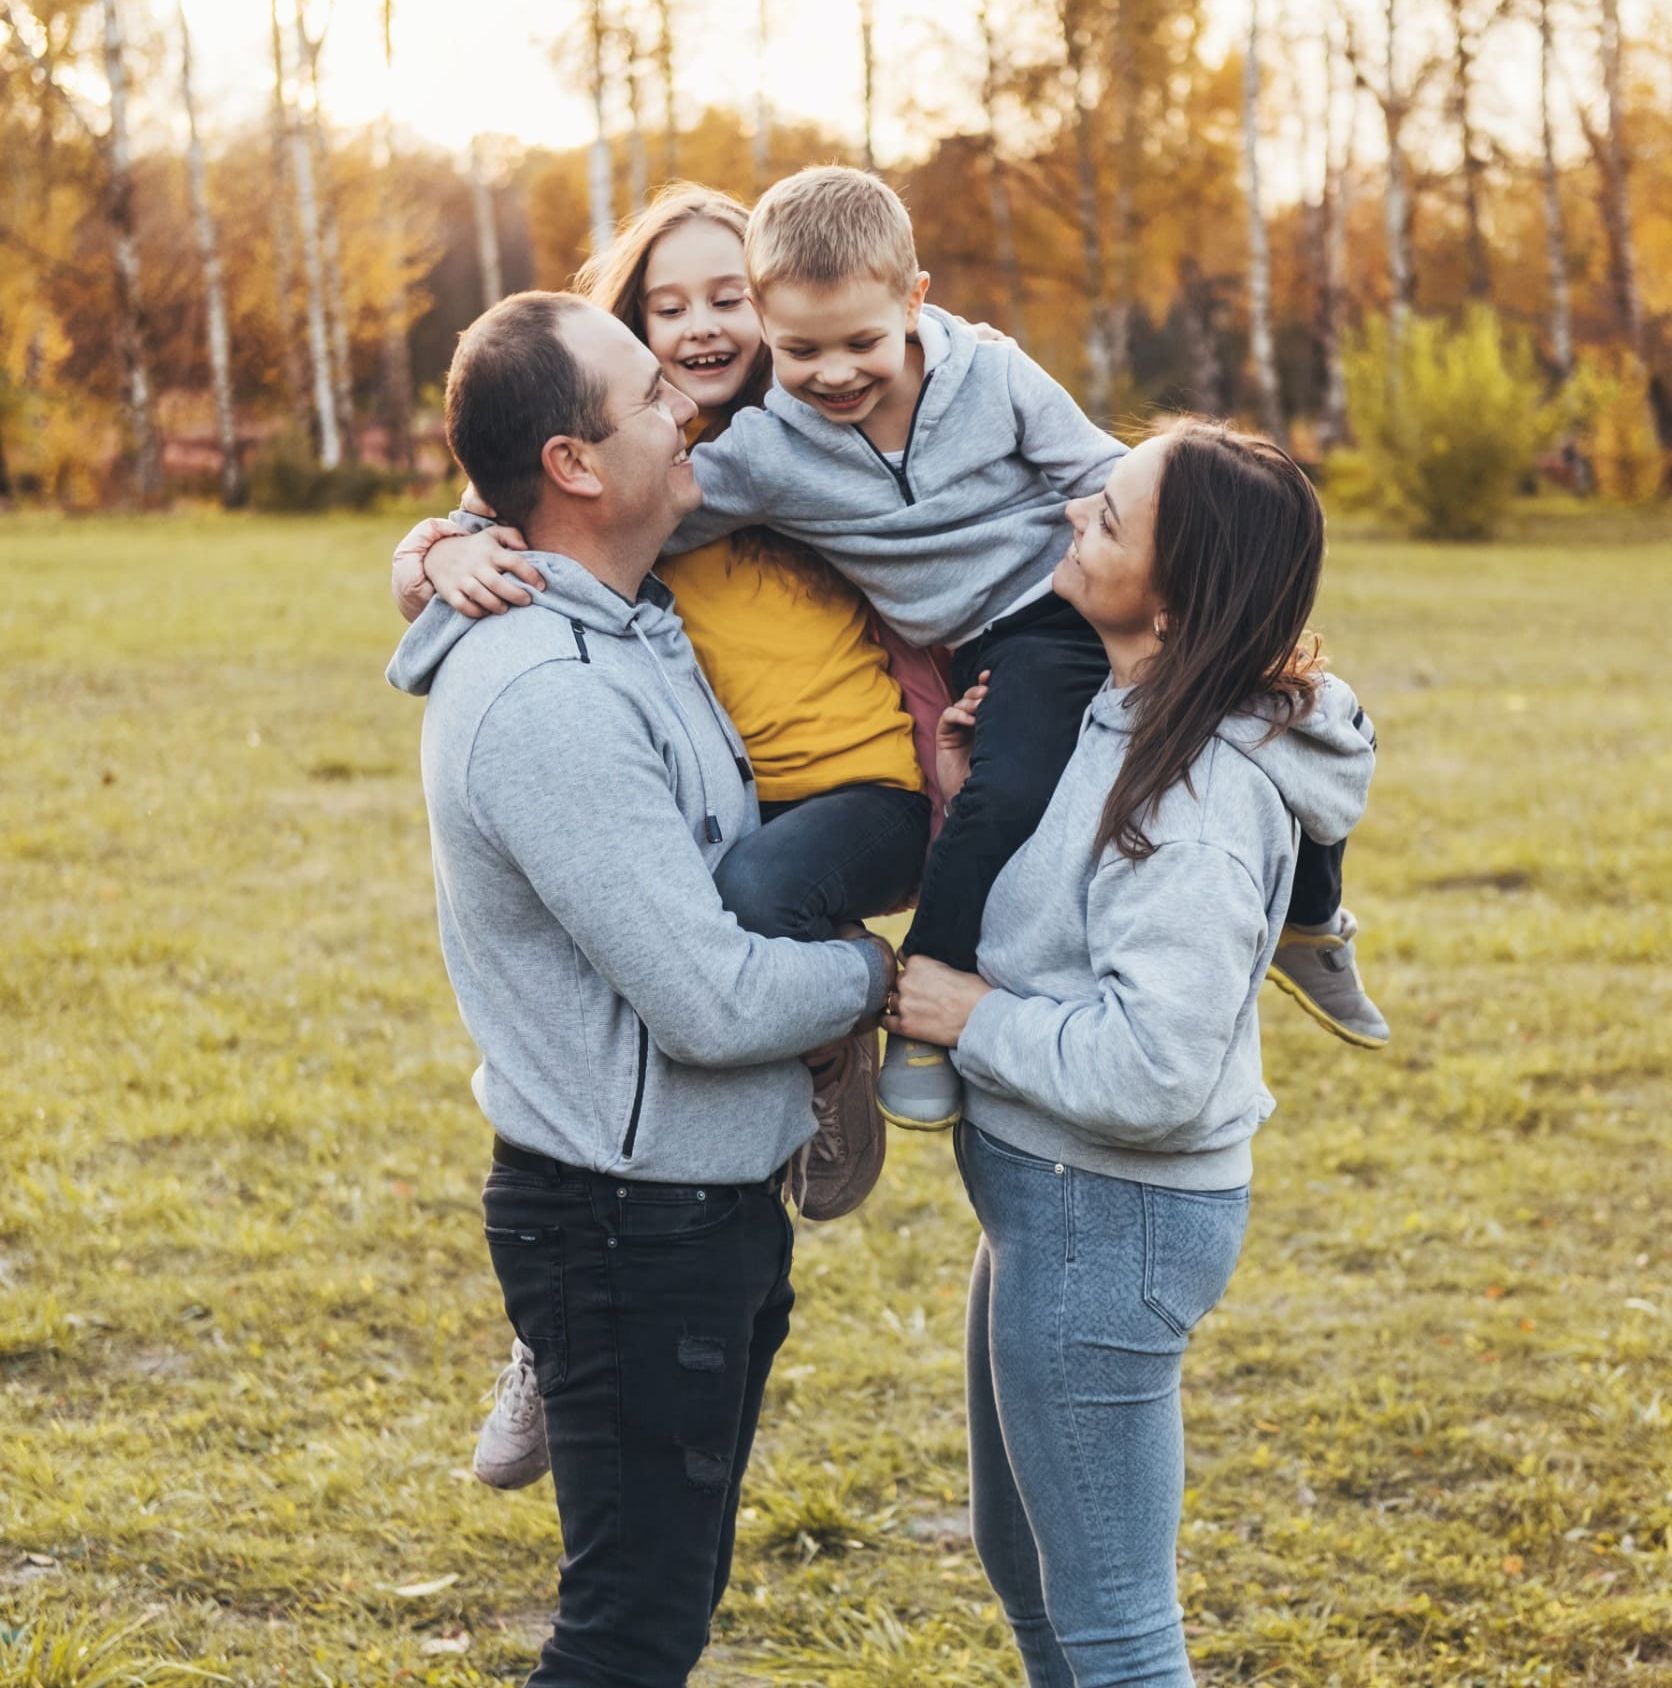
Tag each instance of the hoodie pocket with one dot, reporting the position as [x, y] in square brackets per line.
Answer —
[643, 1067]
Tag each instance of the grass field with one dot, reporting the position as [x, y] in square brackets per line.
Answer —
[246, 1312]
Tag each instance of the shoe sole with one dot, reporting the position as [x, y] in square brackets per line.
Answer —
[511, 1479]
[905, 1122]
[1359, 1040]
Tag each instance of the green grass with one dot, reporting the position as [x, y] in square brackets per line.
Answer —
[246, 1313]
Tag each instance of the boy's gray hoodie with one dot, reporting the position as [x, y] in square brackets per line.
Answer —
[968, 523]
[582, 782]
[1122, 1035]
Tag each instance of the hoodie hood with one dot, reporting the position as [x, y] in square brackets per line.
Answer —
[1321, 763]
[571, 591]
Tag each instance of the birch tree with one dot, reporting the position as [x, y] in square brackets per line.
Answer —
[663, 54]
[1614, 158]
[868, 78]
[600, 166]
[1259, 248]
[120, 214]
[313, 270]
[1555, 230]
[1467, 35]
[638, 161]
[762, 140]
[397, 354]
[1074, 24]
[998, 182]
[209, 252]
[284, 239]
[487, 228]
[1339, 130]
[309, 49]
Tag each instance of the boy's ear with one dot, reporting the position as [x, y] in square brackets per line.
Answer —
[914, 299]
[570, 466]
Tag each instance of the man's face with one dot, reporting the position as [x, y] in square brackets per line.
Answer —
[643, 464]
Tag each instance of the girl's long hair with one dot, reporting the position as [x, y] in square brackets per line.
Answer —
[614, 281]
[1239, 548]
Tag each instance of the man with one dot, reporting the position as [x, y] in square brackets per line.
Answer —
[638, 1047]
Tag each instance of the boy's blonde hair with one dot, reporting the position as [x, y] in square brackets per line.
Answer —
[826, 225]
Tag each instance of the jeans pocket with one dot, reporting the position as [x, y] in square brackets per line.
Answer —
[676, 1213]
[528, 1261]
[1191, 1243]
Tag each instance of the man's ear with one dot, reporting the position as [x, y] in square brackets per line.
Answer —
[914, 299]
[571, 466]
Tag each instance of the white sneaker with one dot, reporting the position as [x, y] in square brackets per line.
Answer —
[511, 1449]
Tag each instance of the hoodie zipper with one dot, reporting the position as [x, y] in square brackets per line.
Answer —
[905, 455]
[638, 1093]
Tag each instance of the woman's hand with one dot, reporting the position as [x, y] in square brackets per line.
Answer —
[933, 1002]
[478, 573]
[954, 734]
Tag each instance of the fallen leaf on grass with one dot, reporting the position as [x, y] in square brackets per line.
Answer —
[446, 1644]
[417, 1590]
[1514, 1564]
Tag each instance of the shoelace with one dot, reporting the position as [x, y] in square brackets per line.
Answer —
[516, 1391]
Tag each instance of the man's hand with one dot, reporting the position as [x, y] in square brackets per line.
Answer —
[852, 929]
[933, 1002]
[954, 734]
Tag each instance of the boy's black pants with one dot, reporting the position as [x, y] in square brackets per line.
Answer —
[654, 1312]
[1046, 663]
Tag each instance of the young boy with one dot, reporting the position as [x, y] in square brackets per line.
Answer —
[931, 469]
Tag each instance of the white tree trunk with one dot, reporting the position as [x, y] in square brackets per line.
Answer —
[1555, 232]
[670, 98]
[119, 213]
[487, 229]
[284, 240]
[208, 248]
[313, 275]
[1004, 232]
[1616, 190]
[601, 167]
[397, 354]
[336, 293]
[762, 141]
[868, 72]
[1338, 180]
[1397, 204]
[1259, 248]
[1465, 49]
[1099, 362]
[638, 161]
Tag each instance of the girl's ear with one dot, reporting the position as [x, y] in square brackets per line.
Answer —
[914, 299]
[569, 465]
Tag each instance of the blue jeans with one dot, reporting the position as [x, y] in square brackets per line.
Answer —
[1082, 1300]
[842, 855]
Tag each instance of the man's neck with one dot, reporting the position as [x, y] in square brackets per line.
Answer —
[620, 565]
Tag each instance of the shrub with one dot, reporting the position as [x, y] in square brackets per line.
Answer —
[286, 478]
[1606, 405]
[1449, 420]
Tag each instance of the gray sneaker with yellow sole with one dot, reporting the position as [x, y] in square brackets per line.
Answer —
[919, 1088]
[1318, 968]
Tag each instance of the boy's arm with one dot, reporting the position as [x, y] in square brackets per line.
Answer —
[1054, 434]
[589, 816]
[729, 498]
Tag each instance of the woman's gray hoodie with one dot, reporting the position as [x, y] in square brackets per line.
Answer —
[582, 782]
[1122, 1035]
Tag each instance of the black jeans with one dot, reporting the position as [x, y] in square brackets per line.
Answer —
[841, 855]
[654, 1312]
[1046, 664]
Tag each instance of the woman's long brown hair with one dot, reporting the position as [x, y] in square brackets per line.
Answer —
[614, 281]
[1239, 549]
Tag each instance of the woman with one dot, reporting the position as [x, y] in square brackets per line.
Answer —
[1111, 1042]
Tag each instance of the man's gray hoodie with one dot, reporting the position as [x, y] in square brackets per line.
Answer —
[582, 782]
[1122, 1035]
[970, 521]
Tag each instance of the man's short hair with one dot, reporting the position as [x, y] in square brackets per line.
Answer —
[513, 385]
[827, 225]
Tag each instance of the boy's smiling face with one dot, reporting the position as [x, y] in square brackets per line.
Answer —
[840, 349]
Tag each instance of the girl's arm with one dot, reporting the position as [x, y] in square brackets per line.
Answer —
[467, 560]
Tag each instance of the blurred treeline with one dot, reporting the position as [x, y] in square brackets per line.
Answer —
[1164, 222]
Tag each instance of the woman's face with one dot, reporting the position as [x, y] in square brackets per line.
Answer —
[1107, 574]
[698, 320]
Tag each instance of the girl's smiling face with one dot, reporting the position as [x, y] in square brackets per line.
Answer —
[698, 320]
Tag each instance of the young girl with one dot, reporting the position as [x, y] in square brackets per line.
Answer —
[1111, 1043]
[789, 649]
